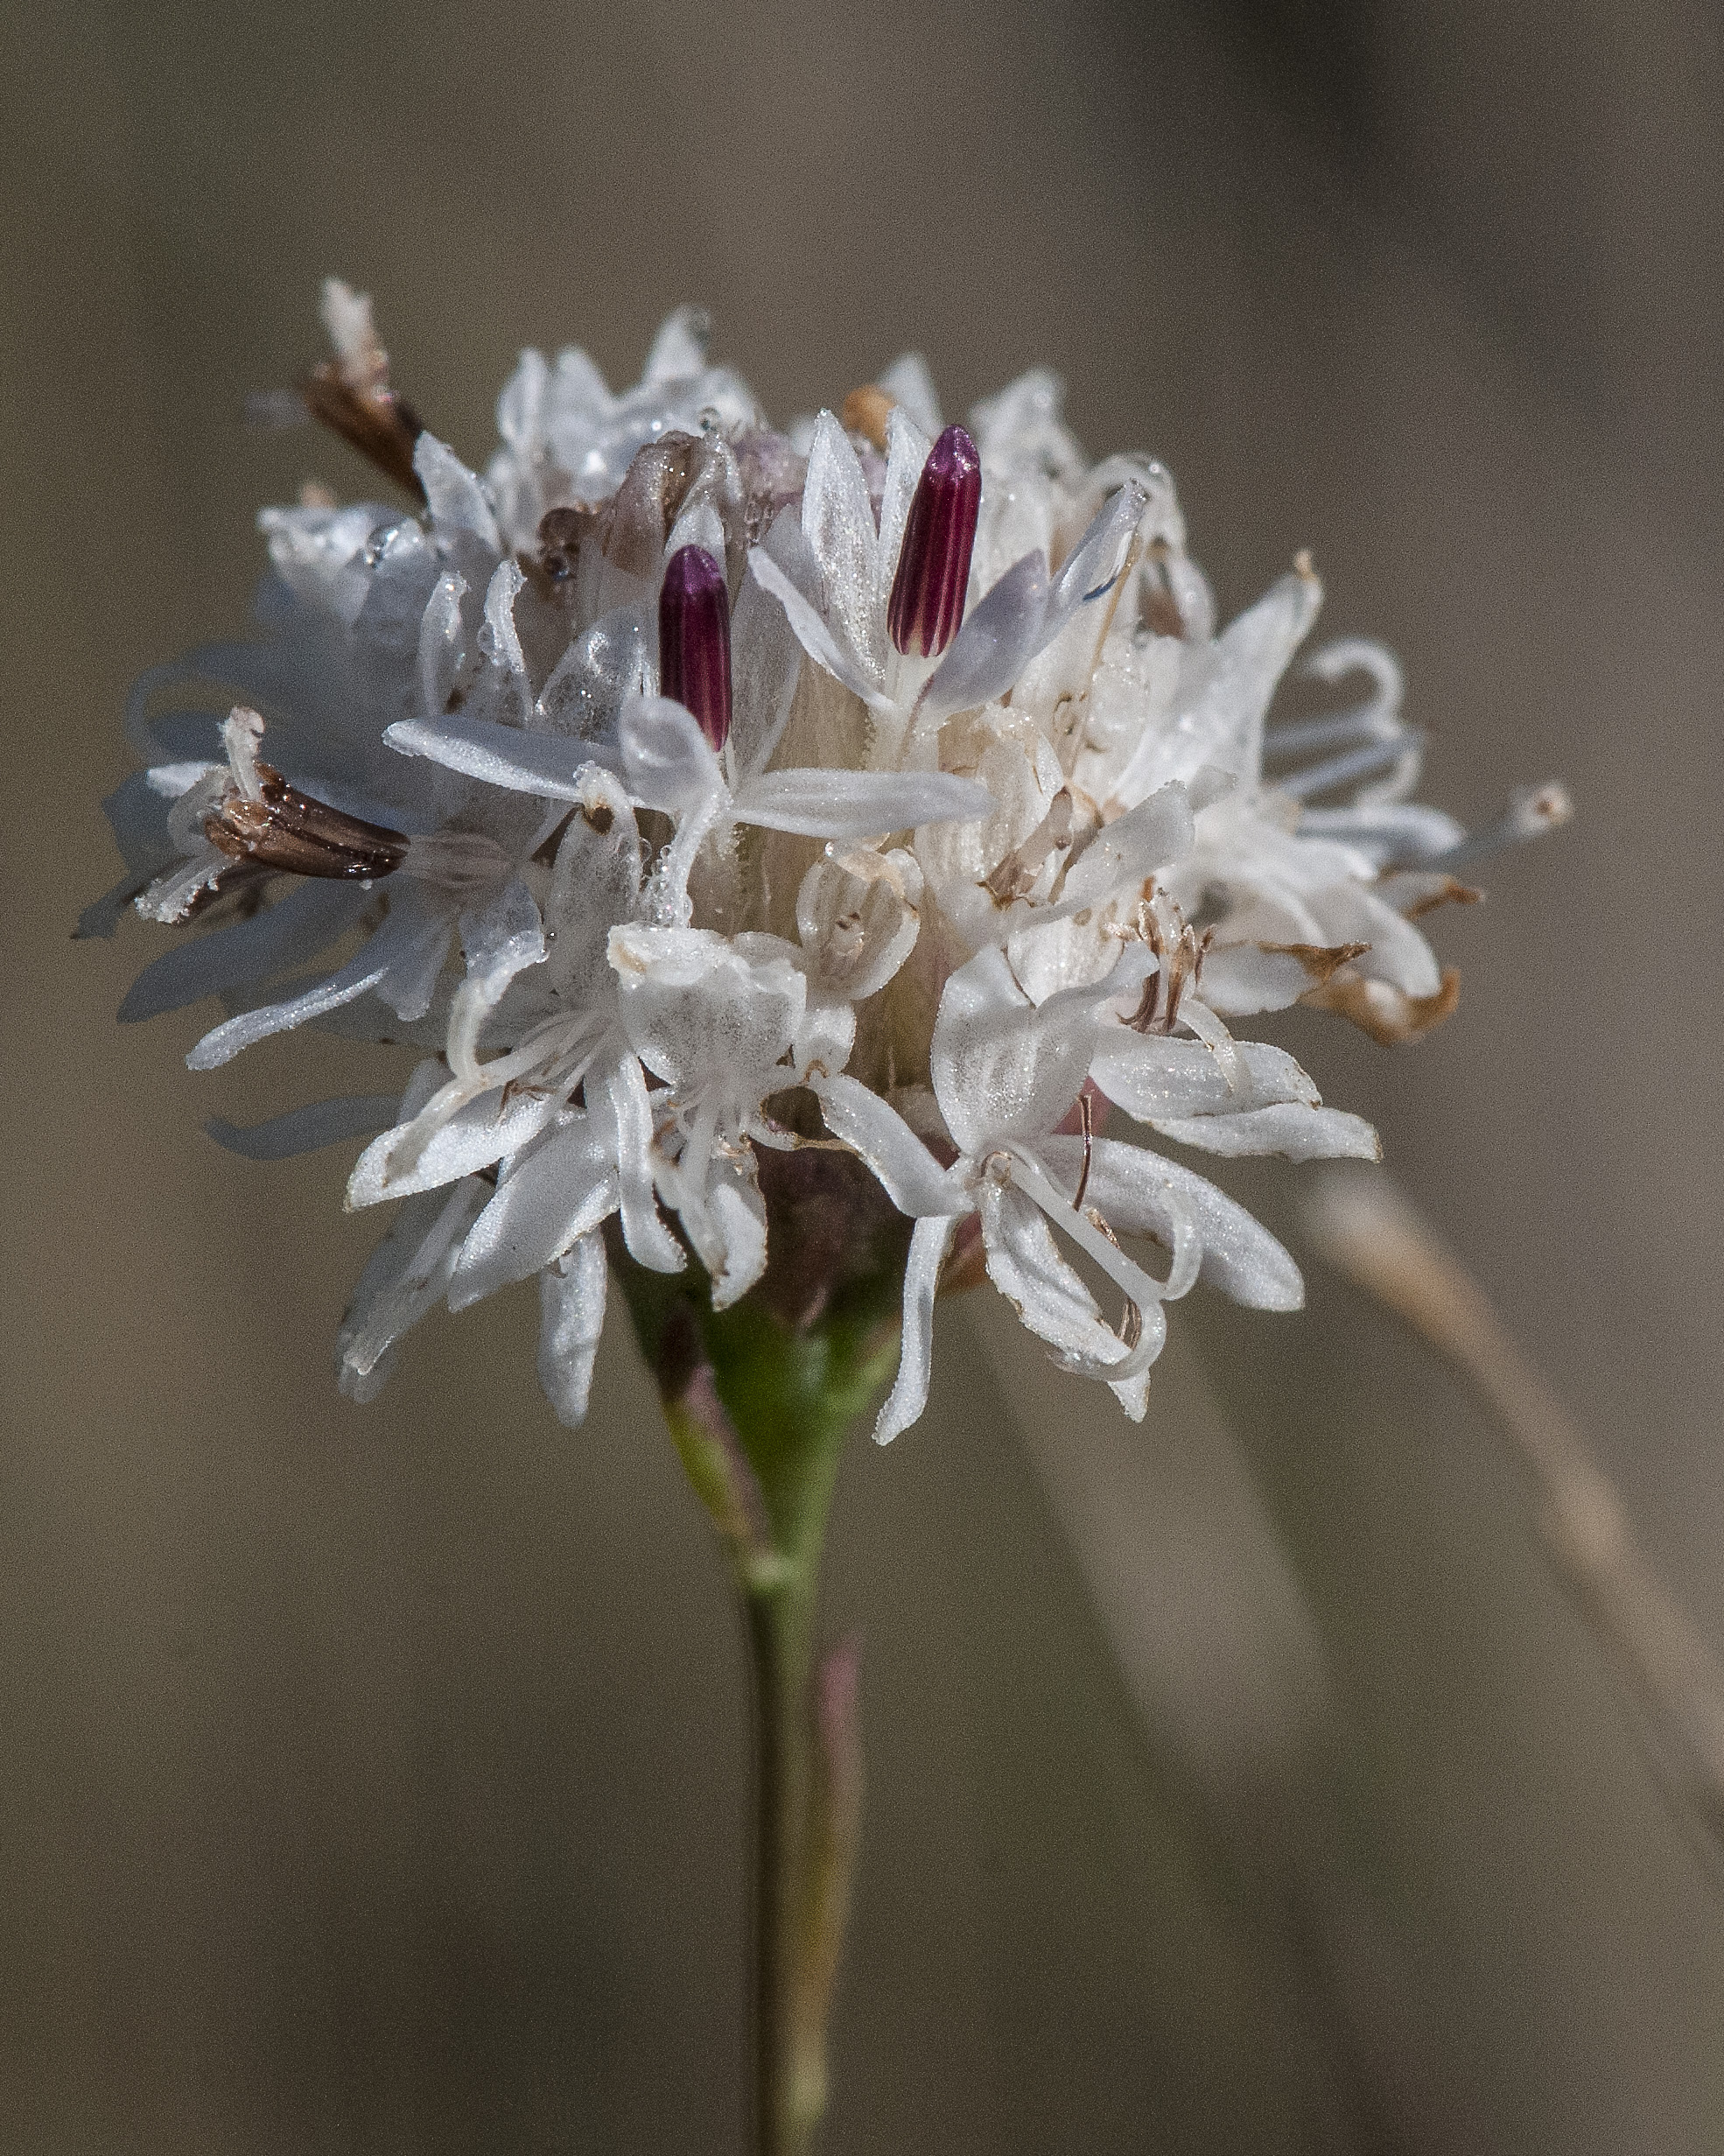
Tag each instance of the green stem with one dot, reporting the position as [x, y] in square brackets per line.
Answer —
[758, 1406]
[779, 1633]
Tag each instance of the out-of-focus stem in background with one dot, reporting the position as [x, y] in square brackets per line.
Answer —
[1368, 1231]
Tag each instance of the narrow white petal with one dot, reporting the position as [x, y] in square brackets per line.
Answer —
[1291, 1128]
[399, 940]
[929, 1243]
[812, 632]
[561, 1189]
[908, 1172]
[305, 922]
[859, 805]
[457, 500]
[549, 764]
[1158, 831]
[838, 524]
[477, 1134]
[572, 1319]
[623, 1101]
[1139, 1193]
[1151, 1077]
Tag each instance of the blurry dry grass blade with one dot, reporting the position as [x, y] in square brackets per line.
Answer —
[1371, 1233]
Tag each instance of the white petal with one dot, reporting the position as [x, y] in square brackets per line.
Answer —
[812, 632]
[404, 1279]
[1148, 836]
[1242, 979]
[604, 665]
[1095, 561]
[667, 762]
[905, 453]
[457, 501]
[712, 1017]
[1291, 1129]
[1024, 1264]
[444, 1143]
[859, 805]
[1151, 1075]
[620, 1103]
[908, 379]
[679, 349]
[549, 764]
[404, 937]
[1002, 1067]
[553, 1194]
[929, 1242]
[838, 524]
[571, 1318]
[908, 1172]
[1139, 1193]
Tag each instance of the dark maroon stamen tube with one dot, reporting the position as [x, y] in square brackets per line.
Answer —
[939, 538]
[694, 640]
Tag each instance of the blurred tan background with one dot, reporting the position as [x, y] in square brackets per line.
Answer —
[370, 1780]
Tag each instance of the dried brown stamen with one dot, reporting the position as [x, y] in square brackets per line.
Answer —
[369, 417]
[283, 828]
[1086, 1116]
[1179, 961]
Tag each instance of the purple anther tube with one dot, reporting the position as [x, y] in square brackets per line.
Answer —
[694, 640]
[939, 538]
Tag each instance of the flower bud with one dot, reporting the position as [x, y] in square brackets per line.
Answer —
[694, 640]
[933, 566]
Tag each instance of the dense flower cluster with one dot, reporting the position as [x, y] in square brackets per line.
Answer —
[685, 788]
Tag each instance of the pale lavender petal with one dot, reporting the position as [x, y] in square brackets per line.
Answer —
[305, 922]
[306, 1130]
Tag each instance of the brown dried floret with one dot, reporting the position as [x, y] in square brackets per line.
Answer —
[292, 831]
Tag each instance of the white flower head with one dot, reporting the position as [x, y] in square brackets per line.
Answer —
[711, 806]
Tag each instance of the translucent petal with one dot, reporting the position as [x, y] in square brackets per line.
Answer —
[838, 524]
[455, 495]
[1001, 1067]
[1292, 1129]
[554, 1193]
[1158, 831]
[1002, 632]
[571, 1318]
[403, 941]
[446, 1142]
[859, 805]
[547, 765]
[305, 922]
[812, 632]
[929, 1241]
[1151, 1075]
[1138, 1193]
[908, 1172]
[404, 1279]
[619, 1107]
